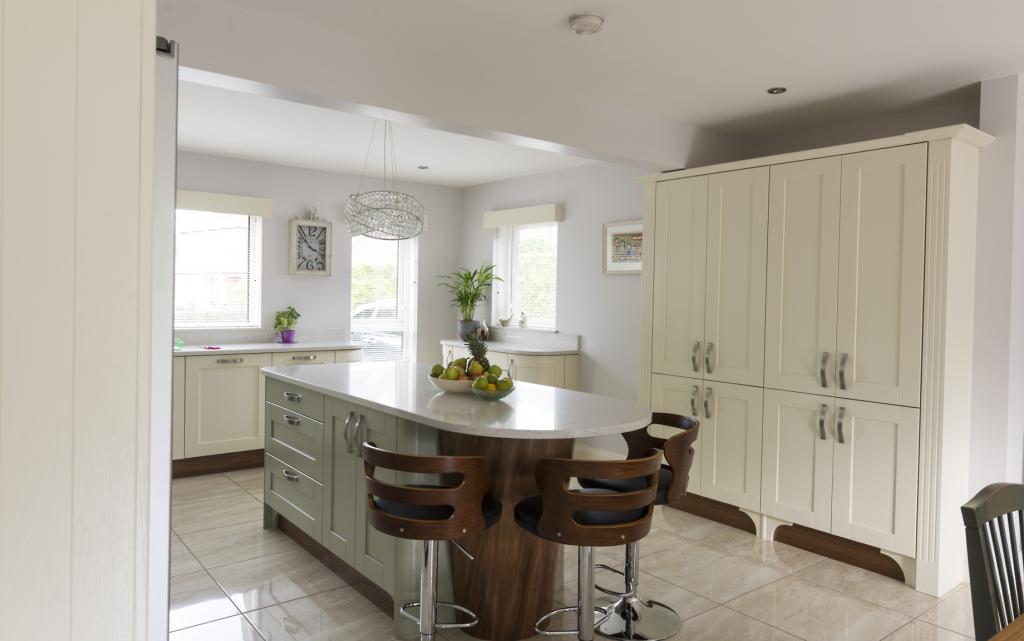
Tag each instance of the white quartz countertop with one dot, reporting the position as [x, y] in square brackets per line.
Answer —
[256, 348]
[531, 411]
[515, 348]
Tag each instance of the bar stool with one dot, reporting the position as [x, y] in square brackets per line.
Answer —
[430, 513]
[630, 616]
[588, 518]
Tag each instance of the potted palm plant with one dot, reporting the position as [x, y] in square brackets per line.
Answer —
[469, 288]
[284, 324]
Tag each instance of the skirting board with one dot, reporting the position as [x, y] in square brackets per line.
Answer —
[216, 463]
[823, 543]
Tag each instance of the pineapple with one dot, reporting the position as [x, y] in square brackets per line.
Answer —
[478, 351]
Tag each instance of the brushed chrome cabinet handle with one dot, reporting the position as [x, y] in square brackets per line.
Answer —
[311, 357]
[348, 427]
[842, 370]
[707, 402]
[511, 369]
[822, 412]
[695, 357]
[292, 397]
[291, 476]
[840, 416]
[824, 364]
[708, 354]
[291, 420]
[230, 361]
[694, 393]
[358, 436]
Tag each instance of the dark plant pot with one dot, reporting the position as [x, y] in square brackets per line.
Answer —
[287, 335]
[468, 327]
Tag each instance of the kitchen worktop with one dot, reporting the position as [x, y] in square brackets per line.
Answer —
[255, 348]
[531, 411]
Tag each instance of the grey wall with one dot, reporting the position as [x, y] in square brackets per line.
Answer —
[324, 302]
[604, 310]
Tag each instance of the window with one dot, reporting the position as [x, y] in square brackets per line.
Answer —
[526, 257]
[384, 297]
[216, 270]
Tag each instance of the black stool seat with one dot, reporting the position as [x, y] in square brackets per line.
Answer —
[632, 485]
[490, 506]
[528, 511]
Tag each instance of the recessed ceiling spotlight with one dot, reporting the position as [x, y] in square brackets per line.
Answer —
[776, 90]
[422, 167]
[586, 24]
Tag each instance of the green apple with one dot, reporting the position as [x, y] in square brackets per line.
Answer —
[480, 383]
[460, 363]
[451, 374]
[495, 370]
[491, 378]
[505, 384]
[475, 368]
[437, 370]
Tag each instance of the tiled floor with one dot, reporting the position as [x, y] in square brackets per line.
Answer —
[233, 581]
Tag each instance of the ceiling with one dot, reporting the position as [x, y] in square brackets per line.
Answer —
[702, 63]
[244, 125]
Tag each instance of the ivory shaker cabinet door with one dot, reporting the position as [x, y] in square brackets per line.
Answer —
[737, 256]
[874, 492]
[680, 247]
[881, 275]
[730, 443]
[796, 483]
[679, 395]
[224, 403]
[803, 267]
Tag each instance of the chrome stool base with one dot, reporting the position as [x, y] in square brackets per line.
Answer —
[427, 619]
[631, 618]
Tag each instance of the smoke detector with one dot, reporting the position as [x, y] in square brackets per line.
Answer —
[586, 24]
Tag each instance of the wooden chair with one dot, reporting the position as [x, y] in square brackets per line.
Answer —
[588, 518]
[430, 513]
[632, 617]
[994, 522]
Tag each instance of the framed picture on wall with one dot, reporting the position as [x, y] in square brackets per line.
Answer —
[623, 247]
[310, 247]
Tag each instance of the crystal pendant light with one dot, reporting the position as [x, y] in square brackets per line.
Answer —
[385, 214]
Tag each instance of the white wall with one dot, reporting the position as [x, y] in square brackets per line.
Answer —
[324, 301]
[604, 310]
[76, 167]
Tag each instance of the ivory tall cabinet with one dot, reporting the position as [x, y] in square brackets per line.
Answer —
[815, 309]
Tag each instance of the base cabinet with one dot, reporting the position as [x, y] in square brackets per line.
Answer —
[681, 395]
[730, 443]
[224, 403]
[559, 370]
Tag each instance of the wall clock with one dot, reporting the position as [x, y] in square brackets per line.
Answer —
[310, 252]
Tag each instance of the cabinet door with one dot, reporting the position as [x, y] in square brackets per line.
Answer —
[874, 489]
[302, 358]
[736, 263]
[680, 246]
[796, 479]
[375, 551]
[881, 275]
[730, 463]
[803, 267]
[341, 465]
[178, 409]
[224, 403]
[678, 395]
[543, 370]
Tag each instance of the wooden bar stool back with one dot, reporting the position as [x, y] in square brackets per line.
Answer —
[456, 507]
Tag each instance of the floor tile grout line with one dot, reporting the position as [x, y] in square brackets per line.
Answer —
[853, 596]
[217, 527]
[770, 625]
[834, 591]
[241, 491]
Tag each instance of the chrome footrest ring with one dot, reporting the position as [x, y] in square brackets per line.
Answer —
[441, 604]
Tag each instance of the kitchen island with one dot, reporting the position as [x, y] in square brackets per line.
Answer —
[317, 418]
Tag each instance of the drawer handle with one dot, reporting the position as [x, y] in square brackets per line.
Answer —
[707, 402]
[292, 397]
[824, 364]
[839, 424]
[821, 421]
[694, 393]
[291, 476]
[842, 372]
[230, 361]
[695, 358]
[311, 357]
[709, 353]
[291, 420]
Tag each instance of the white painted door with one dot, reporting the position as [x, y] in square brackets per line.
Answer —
[881, 275]
[224, 403]
[736, 261]
[803, 269]
[679, 395]
[680, 246]
[796, 483]
[730, 436]
[874, 491]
